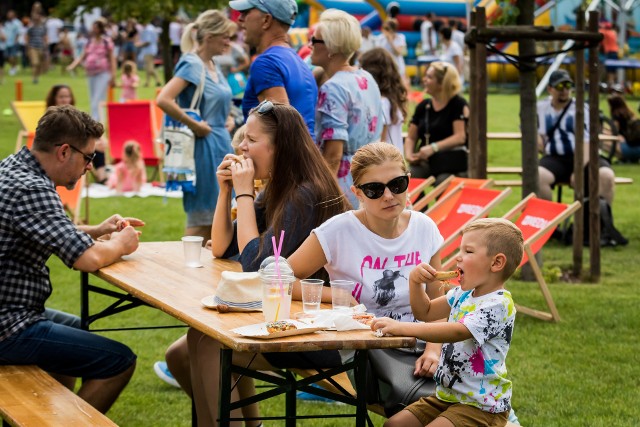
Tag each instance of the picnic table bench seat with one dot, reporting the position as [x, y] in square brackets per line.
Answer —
[31, 397]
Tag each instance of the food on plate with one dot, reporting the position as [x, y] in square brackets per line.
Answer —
[222, 308]
[280, 326]
[447, 275]
[364, 318]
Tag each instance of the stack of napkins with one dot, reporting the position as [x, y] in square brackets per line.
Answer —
[341, 320]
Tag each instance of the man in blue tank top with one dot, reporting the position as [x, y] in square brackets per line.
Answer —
[277, 73]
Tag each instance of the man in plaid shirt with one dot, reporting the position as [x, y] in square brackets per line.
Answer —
[33, 226]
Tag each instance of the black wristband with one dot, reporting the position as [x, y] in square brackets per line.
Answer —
[245, 195]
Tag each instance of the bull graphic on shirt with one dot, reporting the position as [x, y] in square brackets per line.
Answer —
[384, 289]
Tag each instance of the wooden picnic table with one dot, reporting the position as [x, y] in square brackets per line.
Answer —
[156, 275]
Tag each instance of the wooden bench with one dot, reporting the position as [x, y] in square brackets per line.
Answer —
[518, 182]
[344, 382]
[31, 397]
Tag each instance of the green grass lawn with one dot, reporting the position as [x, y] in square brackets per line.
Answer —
[581, 371]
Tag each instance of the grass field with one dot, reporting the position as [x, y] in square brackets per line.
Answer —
[582, 371]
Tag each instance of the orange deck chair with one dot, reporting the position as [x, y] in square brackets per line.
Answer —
[28, 114]
[447, 196]
[471, 204]
[132, 120]
[71, 200]
[537, 219]
[417, 186]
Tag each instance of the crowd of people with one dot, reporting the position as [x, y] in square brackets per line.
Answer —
[325, 134]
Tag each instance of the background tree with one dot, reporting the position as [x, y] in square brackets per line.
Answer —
[144, 11]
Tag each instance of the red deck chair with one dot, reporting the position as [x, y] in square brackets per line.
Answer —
[417, 186]
[132, 120]
[448, 197]
[537, 219]
[471, 204]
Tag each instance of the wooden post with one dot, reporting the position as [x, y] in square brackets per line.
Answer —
[18, 90]
[480, 163]
[474, 99]
[594, 204]
[578, 168]
[528, 113]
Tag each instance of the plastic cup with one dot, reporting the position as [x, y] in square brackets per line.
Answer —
[276, 296]
[341, 294]
[192, 249]
[311, 294]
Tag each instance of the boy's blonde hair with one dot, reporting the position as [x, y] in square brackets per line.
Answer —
[500, 236]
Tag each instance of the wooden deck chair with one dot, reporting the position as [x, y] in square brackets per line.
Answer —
[71, 200]
[471, 204]
[28, 114]
[132, 120]
[417, 186]
[537, 219]
[448, 196]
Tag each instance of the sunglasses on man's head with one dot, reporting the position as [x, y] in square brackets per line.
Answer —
[375, 190]
[563, 85]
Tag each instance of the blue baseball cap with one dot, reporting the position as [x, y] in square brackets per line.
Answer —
[284, 11]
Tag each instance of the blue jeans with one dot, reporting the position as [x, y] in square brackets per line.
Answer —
[66, 351]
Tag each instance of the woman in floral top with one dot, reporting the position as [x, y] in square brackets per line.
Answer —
[349, 104]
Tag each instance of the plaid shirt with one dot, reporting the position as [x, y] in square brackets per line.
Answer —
[33, 225]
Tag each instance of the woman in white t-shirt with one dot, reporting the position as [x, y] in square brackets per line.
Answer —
[377, 245]
[381, 65]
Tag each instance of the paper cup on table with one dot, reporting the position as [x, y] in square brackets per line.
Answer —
[276, 296]
[341, 294]
[311, 294]
[192, 249]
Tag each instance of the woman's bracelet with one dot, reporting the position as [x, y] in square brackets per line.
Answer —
[434, 147]
[245, 195]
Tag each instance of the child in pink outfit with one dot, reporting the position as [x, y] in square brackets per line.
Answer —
[130, 174]
[129, 81]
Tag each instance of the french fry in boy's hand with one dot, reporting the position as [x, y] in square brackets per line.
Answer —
[447, 275]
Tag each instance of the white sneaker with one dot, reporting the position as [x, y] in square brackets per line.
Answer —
[162, 370]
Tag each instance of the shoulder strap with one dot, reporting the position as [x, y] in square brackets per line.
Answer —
[427, 135]
[197, 94]
[551, 131]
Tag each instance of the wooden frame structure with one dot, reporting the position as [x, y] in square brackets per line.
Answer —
[476, 38]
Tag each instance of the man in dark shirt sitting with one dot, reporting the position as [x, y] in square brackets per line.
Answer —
[33, 226]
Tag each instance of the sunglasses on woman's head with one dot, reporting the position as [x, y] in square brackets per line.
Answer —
[375, 190]
[264, 107]
[563, 85]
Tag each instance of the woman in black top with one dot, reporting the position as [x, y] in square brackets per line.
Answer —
[436, 141]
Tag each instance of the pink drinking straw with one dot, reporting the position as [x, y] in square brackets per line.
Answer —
[277, 249]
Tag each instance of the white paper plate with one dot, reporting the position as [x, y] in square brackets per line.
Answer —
[259, 330]
[210, 302]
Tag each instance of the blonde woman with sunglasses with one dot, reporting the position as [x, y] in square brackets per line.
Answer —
[436, 140]
[377, 245]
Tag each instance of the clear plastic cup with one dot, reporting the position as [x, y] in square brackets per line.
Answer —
[192, 246]
[311, 294]
[276, 296]
[341, 291]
